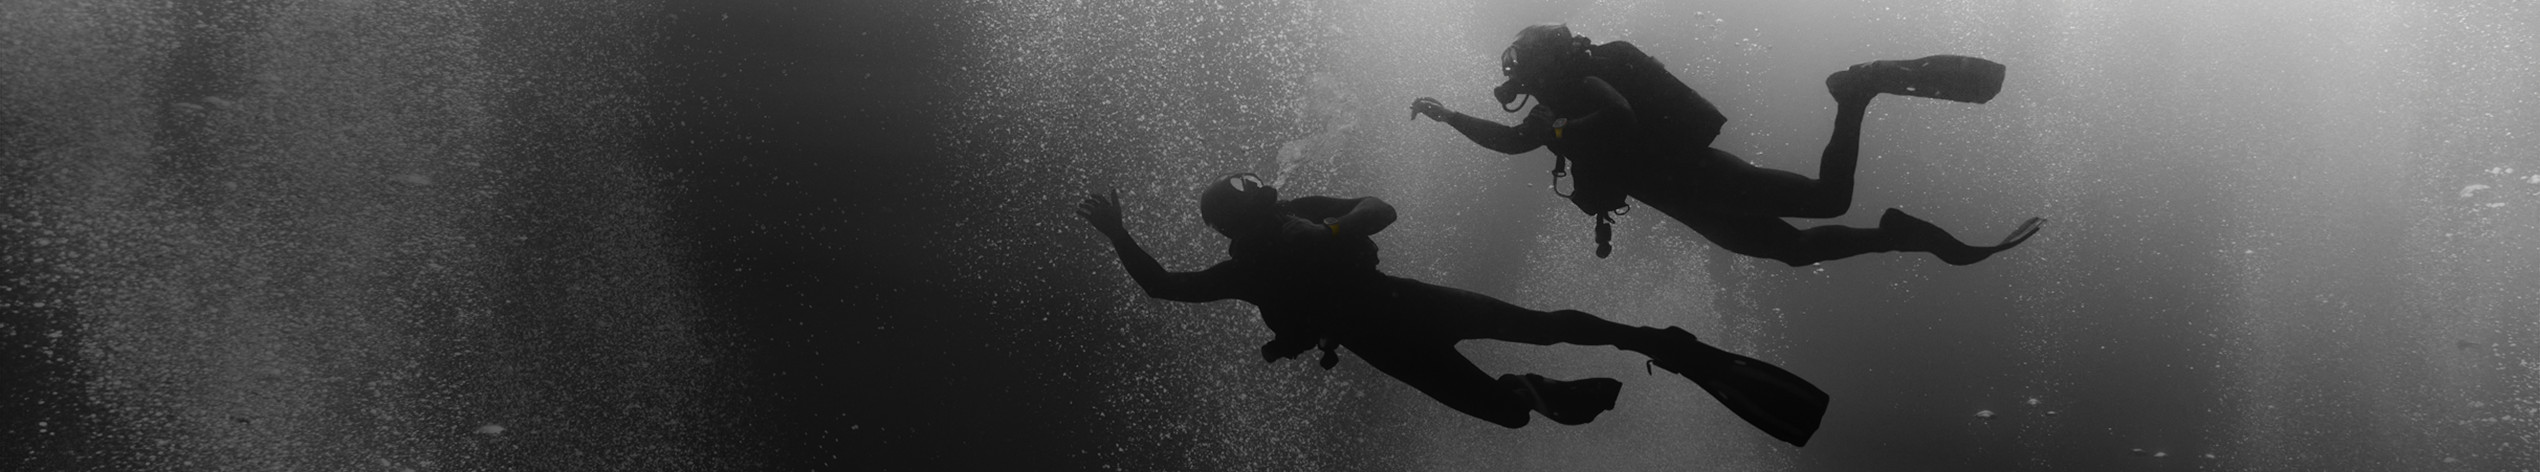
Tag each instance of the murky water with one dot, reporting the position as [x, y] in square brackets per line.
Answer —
[588, 235]
[349, 236]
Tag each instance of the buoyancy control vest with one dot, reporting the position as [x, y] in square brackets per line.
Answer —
[1674, 121]
[1310, 292]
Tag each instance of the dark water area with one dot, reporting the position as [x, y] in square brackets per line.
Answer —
[827, 200]
[794, 235]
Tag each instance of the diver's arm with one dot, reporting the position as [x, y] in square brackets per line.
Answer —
[1524, 137]
[1369, 217]
[1103, 211]
[1613, 113]
[1498, 137]
[1203, 286]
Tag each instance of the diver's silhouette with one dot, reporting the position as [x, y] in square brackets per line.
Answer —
[1624, 126]
[1310, 267]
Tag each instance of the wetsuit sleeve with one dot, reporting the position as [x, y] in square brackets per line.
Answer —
[1526, 136]
[1215, 283]
[1360, 216]
[1613, 113]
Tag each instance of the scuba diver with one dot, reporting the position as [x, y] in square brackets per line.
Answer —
[1309, 265]
[1620, 125]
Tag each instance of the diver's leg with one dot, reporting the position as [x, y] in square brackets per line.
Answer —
[1772, 399]
[1832, 194]
[1436, 310]
[1782, 193]
[1434, 367]
[1467, 315]
[1897, 231]
[1830, 242]
[1419, 350]
[1713, 181]
[1771, 237]
[1721, 182]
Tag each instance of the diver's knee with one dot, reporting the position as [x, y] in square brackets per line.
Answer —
[1510, 419]
[1821, 211]
[1824, 207]
[1825, 200]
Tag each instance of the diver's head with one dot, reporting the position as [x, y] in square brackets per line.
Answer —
[1239, 205]
[1538, 48]
[1537, 54]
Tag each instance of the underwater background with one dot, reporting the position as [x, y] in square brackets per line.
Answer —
[838, 235]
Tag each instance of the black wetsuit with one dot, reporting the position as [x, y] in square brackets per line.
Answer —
[1656, 149]
[1403, 327]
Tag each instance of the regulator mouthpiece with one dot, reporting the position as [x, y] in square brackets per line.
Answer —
[1508, 96]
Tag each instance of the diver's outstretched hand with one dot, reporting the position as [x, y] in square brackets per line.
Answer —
[1103, 211]
[1431, 107]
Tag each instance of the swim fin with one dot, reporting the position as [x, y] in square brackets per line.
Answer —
[1946, 77]
[1774, 400]
[1914, 234]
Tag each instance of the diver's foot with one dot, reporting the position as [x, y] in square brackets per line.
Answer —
[1914, 234]
[1858, 84]
[1574, 402]
[1972, 254]
[1678, 351]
